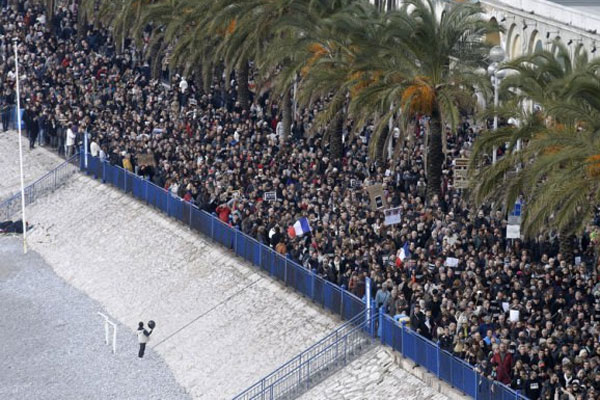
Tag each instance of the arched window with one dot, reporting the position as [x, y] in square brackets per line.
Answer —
[494, 37]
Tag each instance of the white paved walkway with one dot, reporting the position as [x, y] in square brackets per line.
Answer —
[36, 163]
[373, 376]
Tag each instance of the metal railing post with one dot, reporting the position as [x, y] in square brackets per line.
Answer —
[54, 187]
[437, 356]
[345, 349]
[381, 327]
[300, 370]
[168, 199]
[259, 254]
[337, 346]
[403, 327]
[308, 373]
[146, 191]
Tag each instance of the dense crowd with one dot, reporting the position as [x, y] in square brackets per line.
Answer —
[519, 311]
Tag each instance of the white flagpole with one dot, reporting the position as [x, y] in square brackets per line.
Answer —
[20, 147]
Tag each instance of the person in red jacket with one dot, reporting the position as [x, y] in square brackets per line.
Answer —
[502, 360]
[223, 211]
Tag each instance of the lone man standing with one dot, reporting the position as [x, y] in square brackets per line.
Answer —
[143, 338]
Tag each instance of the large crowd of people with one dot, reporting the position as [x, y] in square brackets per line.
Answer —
[519, 311]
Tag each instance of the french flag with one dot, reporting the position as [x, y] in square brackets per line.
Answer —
[404, 252]
[299, 228]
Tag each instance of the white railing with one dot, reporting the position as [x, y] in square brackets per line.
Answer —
[108, 322]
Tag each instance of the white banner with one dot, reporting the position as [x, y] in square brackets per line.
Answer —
[513, 231]
[451, 262]
[270, 196]
[392, 216]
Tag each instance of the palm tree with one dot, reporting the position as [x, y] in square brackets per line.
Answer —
[195, 44]
[542, 76]
[123, 16]
[557, 171]
[318, 52]
[425, 65]
[545, 78]
[250, 25]
[539, 78]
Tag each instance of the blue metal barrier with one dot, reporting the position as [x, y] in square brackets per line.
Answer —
[443, 364]
[330, 296]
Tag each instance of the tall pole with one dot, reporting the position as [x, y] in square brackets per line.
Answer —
[20, 147]
[497, 55]
[496, 101]
[85, 147]
[390, 132]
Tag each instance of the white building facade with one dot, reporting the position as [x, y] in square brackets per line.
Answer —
[535, 24]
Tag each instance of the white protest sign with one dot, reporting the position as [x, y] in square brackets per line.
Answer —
[270, 196]
[451, 262]
[461, 167]
[513, 231]
[514, 315]
[392, 216]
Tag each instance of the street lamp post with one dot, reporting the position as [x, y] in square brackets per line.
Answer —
[496, 57]
[16, 48]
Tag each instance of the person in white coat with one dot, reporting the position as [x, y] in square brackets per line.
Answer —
[70, 141]
[143, 335]
[94, 149]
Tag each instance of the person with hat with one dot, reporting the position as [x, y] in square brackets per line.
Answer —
[143, 336]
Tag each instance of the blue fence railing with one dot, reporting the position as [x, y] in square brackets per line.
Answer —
[444, 365]
[327, 294]
[44, 185]
[302, 371]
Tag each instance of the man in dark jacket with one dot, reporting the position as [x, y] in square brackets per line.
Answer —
[417, 319]
[32, 125]
[8, 101]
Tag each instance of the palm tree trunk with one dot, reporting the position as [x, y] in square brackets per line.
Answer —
[198, 81]
[381, 147]
[287, 115]
[49, 11]
[82, 24]
[155, 59]
[206, 71]
[336, 133]
[242, 81]
[566, 245]
[435, 156]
